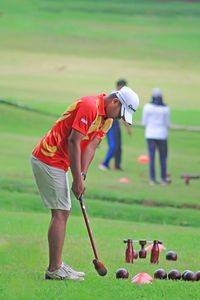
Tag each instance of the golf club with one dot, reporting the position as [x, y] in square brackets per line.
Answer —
[101, 270]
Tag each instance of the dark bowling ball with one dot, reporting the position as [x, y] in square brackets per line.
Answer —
[171, 255]
[160, 274]
[122, 273]
[198, 275]
[190, 276]
[174, 275]
[183, 274]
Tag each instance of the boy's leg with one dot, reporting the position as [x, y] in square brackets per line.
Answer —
[56, 236]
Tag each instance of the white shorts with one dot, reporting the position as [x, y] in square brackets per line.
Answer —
[52, 184]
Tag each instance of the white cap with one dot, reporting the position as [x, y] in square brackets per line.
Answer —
[156, 92]
[129, 100]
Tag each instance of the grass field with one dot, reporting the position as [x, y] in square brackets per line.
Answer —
[52, 52]
[23, 257]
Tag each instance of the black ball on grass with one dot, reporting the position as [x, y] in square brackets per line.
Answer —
[174, 275]
[183, 274]
[190, 276]
[160, 274]
[122, 273]
[171, 255]
[198, 275]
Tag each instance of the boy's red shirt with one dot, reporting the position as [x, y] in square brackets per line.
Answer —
[86, 115]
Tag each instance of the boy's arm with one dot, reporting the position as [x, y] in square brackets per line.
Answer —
[89, 151]
[88, 154]
[74, 148]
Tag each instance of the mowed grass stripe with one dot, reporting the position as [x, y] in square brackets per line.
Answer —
[52, 81]
[63, 54]
[19, 138]
[187, 115]
[24, 202]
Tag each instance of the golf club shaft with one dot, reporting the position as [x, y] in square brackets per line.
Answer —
[88, 227]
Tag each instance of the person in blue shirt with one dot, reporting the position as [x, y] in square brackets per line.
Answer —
[114, 139]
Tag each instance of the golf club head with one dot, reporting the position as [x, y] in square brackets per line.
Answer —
[101, 270]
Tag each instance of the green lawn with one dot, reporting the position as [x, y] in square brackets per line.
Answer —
[52, 52]
[23, 252]
[18, 139]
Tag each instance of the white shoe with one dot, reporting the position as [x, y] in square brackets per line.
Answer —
[103, 167]
[69, 270]
[61, 274]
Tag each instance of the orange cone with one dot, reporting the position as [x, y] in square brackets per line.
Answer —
[124, 180]
[143, 159]
[142, 278]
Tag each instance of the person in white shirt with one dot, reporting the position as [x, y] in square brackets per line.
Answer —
[156, 120]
